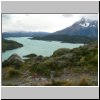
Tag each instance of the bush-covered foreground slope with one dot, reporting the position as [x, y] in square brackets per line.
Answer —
[9, 45]
[66, 67]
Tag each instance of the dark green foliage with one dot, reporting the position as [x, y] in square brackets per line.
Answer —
[47, 66]
[44, 67]
[43, 70]
[61, 52]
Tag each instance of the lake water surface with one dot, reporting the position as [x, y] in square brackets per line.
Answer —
[39, 47]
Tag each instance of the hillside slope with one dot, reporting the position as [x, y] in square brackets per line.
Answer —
[66, 67]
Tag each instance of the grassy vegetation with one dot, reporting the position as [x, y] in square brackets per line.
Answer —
[13, 73]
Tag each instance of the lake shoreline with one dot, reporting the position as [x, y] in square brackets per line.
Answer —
[38, 47]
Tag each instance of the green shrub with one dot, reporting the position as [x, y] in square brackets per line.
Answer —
[40, 69]
[61, 52]
[44, 70]
[47, 66]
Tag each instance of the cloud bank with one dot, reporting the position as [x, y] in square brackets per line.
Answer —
[40, 22]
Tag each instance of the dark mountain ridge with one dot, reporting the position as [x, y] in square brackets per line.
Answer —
[23, 34]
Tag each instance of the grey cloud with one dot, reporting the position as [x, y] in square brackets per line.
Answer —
[90, 16]
[40, 22]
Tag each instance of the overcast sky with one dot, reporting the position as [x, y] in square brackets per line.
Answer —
[41, 22]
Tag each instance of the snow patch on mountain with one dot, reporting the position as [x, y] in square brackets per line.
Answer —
[84, 24]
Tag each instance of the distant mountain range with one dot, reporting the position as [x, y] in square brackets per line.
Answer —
[24, 34]
[82, 31]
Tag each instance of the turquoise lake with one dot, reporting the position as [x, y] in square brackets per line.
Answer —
[39, 47]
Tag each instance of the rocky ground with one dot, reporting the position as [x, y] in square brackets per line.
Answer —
[27, 79]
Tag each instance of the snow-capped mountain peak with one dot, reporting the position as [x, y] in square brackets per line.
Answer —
[84, 23]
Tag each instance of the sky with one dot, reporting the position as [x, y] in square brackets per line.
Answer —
[41, 22]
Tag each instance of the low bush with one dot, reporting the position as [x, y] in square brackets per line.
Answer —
[13, 72]
[61, 52]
